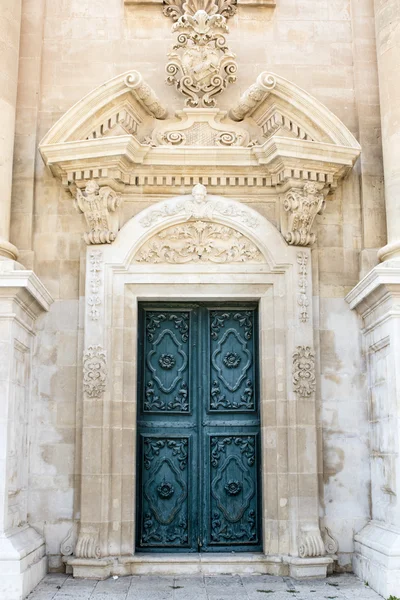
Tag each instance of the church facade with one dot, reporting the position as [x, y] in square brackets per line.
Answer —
[199, 289]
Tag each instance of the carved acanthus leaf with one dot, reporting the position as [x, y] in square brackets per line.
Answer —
[310, 543]
[87, 544]
[94, 371]
[98, 205]
[201, 65]
[302, 207]
[177, 8]
[199, 241]
[304, 371]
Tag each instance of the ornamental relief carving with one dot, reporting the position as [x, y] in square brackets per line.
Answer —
[304, 371]
[97, 204]
[200, 64]
[87, 544]
[302, 207]
[94, 371]
[199, 241]
[177, 8]
[199, 206]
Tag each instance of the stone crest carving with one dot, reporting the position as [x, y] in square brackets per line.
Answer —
[87, 544]
[199, 206]
[302, 299]
[311, 544]
[95, 282]
[177, 8]
[199, 241]
[201, 64]
[97, 204]
[302, 207]
[304, 371]
[94, 371]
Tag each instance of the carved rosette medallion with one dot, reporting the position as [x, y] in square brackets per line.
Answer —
[97, 204]
[304, 371]
[201, 65]
[302, 207]
[94, 371]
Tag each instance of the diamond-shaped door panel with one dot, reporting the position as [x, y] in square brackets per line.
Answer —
[166, 352]
[165, 491]
[167, 361]
[233, 488]
[232, 381]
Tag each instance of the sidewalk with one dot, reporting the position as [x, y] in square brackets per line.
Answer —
[244, 587]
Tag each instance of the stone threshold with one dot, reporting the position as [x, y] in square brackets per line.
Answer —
[245, 563]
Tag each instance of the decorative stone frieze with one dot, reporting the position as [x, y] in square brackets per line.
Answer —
[87, 544]
[94, 371]
[304, 371]
[201, 65]
[311, 543]
[176, 8]
[97, 204]
[199, 241]
[302, 299]
[302, 207]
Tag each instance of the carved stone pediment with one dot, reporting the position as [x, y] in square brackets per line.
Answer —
[200, 127]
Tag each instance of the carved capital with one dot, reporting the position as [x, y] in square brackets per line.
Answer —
[302, 207]
[94, 371]
[310, 542]
[87, 544]
[99, 205]
[304, 371]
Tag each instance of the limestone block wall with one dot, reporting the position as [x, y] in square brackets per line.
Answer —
[68, 47]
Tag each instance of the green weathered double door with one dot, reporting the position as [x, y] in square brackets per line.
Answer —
[198, 428]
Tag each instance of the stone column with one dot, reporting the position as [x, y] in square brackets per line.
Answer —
[10, 26]
[387, 23]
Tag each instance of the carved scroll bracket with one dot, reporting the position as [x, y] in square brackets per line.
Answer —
[99, 205]
[301, 207]
[310, 542]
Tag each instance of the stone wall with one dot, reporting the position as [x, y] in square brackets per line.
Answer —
[68, 47]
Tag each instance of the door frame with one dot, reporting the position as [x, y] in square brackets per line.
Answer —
[107, 502]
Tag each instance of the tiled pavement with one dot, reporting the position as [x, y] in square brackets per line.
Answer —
[235, 587]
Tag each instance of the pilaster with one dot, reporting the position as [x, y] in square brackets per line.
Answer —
[22, 550]
[377, 547]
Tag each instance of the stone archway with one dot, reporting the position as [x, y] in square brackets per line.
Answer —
[138, 266]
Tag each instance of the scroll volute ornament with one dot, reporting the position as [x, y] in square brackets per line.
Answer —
[302, 207]
[99, 205]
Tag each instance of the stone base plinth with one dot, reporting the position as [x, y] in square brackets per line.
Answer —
[377, 558]
[309, 568]
[22, 563]
[194, 564]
